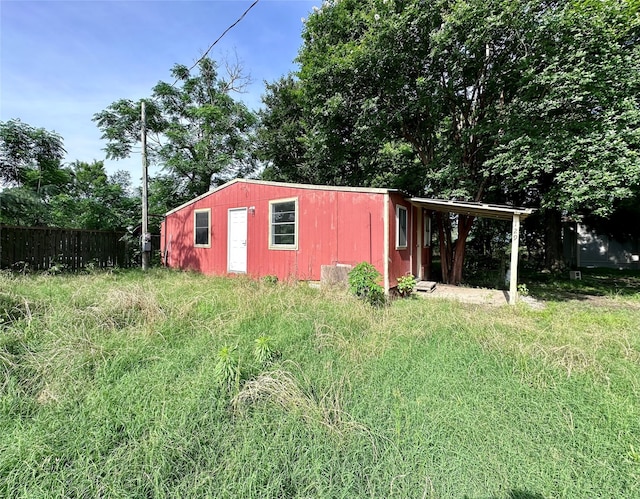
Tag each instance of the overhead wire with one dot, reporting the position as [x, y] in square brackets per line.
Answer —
[224, 33]
[202, 57]
[217, 40]
[206, 53]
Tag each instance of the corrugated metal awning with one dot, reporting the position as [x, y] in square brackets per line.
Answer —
[499, 211]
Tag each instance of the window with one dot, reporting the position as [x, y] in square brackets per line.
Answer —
[401, 227]
[283, 226]
[201, 228]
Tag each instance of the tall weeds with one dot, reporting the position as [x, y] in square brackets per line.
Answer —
[109, 387]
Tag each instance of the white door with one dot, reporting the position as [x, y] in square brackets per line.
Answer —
[237, 245]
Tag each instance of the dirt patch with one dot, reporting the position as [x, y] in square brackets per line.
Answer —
[497, 297]
[480, 296]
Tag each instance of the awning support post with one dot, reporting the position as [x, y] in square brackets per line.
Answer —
[515, 237]
[420, 244]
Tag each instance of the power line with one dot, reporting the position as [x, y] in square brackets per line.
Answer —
[215, 42]
[145, 221]
[224, 33]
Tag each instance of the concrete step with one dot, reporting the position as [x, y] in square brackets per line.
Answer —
[426, 286]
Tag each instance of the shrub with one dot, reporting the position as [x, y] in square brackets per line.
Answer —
[263, 350]
[227, 370]
[406, 283]
[363, 282]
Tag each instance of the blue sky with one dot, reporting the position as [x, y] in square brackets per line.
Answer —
[63, 61]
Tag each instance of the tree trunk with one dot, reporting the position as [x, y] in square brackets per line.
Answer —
[553, 254]
[452, 255]
[444, 237]
[464, 227]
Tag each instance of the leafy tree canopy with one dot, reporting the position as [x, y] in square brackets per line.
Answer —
[485, 100]
[570, 134]
[198, 133]
[39, 190]
[31, 172]
[95, 200]
[30, 157]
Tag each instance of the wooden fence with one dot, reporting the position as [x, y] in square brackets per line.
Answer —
[40, 248]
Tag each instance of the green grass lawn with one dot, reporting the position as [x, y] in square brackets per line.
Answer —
[594, 282]
[114, 385]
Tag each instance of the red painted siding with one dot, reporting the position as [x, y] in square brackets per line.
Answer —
[333, 227]
[400, 259]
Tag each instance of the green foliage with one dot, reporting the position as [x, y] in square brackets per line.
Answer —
[31, 166]
[22, 206]
[364, 283]
[30, 157]
[263, 350]
[499, 101]
[198, 133]
[271, 280]
[227, 369]
[95, 200]
[43, 192]
[570, 130]
[406, 283]
[107, 390]
[280, 135]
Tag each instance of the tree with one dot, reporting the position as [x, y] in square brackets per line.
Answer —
[481, 93]
[20, 206]
[42, 191]
[570, 135]
[164, 195]
[399, 76]
[281, 133]
[31, 171]
[30, 157]
[197, 132]
[96, 201]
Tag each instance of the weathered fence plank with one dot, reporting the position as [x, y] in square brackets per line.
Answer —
[40, 248]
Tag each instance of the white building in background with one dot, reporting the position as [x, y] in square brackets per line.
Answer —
[586, 248]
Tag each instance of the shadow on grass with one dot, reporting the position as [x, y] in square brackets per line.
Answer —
[523, 494]
[558, 287]
[594, 283]
[514, 494]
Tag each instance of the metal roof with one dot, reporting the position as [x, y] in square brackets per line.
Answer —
[499, 211]
[372, 190]
[502, 212]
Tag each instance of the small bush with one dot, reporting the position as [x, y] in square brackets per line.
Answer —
[363, 282]
[271, 280]
[406, 283]
[263, 350]
[227, 370]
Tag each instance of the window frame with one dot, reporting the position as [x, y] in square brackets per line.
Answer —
[195, 228]
[400, 208]
[272, 245]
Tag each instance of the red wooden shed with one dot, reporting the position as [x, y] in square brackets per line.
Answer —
[291, 230]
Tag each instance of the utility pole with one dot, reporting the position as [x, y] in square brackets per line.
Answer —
[145, 238]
